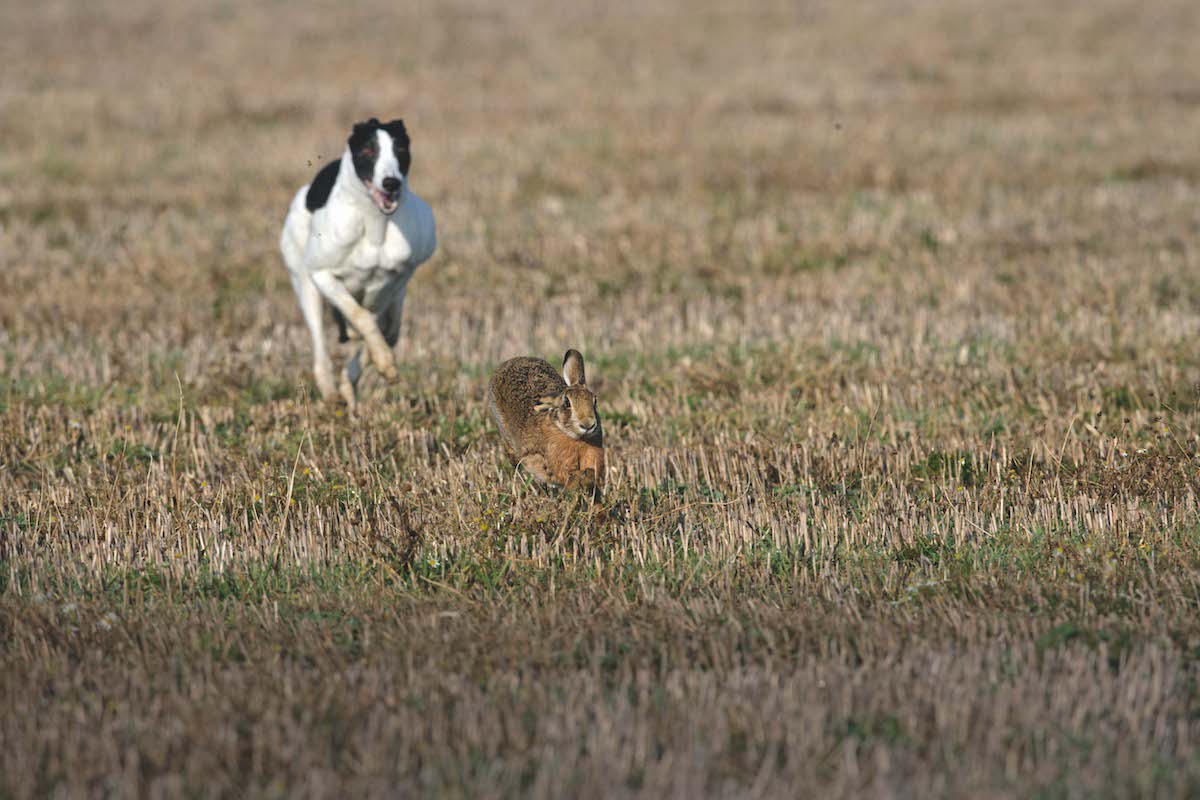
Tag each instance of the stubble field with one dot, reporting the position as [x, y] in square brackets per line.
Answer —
[892, 308]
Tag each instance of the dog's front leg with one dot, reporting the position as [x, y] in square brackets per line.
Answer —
[362, 320]
[310, 305]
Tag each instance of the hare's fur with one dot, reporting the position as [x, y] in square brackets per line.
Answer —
[549, 425]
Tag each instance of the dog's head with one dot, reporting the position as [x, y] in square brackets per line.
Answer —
[381, 160]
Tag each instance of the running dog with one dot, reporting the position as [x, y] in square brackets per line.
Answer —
[352, 239]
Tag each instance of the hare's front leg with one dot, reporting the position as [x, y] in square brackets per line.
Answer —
[592, 460]
[584, 480]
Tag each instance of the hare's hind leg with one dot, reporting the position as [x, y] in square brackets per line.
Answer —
[535, 464]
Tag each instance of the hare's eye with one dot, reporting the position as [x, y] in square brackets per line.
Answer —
[568, 402]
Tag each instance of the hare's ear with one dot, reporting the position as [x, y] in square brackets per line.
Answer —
[551, 402]
[573, 368]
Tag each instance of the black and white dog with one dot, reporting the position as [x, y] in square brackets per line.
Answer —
[352, 239]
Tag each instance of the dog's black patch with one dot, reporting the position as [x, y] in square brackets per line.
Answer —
[400, 144]
[364, 148]
[322, 185]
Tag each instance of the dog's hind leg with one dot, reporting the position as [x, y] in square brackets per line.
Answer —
[340, 321]
[350, 376]
[311, 305]
[389, 320]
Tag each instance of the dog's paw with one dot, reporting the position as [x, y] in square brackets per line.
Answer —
[326, 385]
[386, 367]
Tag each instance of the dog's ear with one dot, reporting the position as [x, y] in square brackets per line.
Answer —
[400, 144]
[573, 368]
[363, 132]
[398, 132]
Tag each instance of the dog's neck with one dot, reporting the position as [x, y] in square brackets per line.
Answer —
[351, 186]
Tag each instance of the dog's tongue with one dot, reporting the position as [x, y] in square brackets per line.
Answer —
[385, 200]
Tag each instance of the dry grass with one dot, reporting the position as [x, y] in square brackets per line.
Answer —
[893, 311]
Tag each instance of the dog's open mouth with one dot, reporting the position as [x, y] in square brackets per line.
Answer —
[387, 201]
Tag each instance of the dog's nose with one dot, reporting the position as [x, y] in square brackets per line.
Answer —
[391, 184]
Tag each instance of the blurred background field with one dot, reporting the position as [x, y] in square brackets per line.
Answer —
[893, 309]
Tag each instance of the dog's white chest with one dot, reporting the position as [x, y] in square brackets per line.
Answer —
[369, 254]
[372, 272]
[384, 247]
[390, 252]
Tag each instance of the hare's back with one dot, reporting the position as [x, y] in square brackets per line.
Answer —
[523, 381]
[515, 388]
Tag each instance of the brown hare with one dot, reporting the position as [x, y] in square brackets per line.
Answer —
[548, 423]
